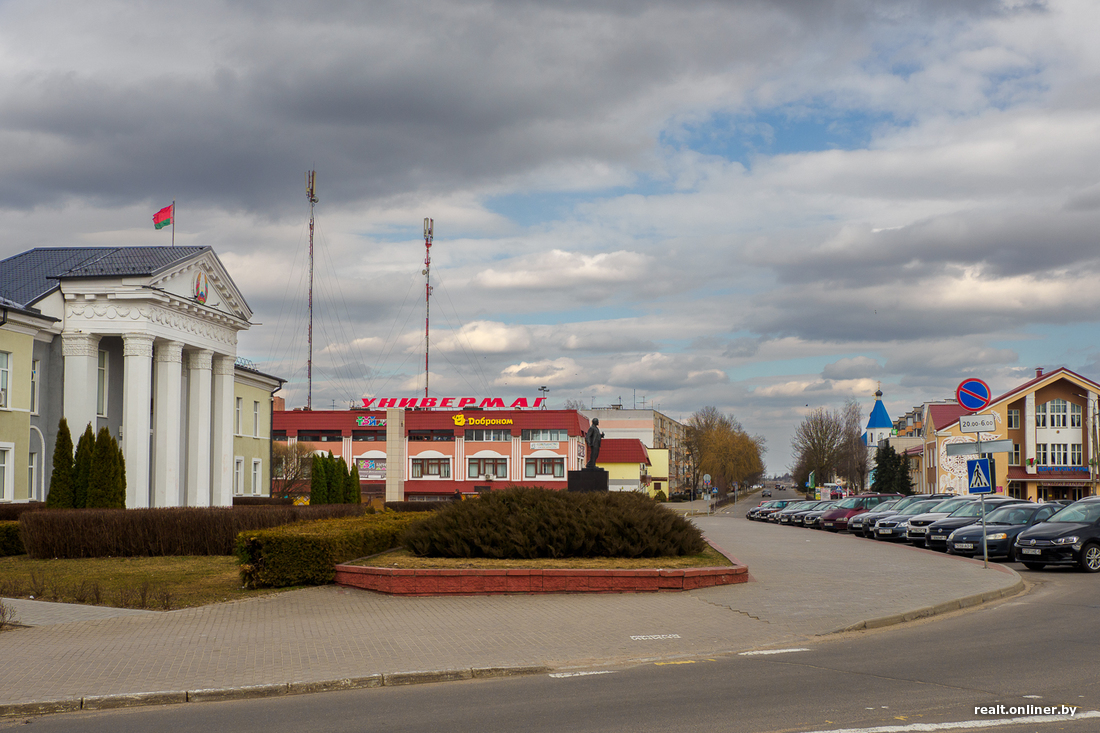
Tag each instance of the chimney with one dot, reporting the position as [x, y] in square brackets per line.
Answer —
[1038, 372]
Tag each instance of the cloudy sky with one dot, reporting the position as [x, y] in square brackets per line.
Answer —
[767, 207]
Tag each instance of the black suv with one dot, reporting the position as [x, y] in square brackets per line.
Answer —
[1070, 537]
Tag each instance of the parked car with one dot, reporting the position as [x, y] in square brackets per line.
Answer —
[755, 511]
[766, 492]
[1070, 537]
[917, 527]
[864, 524]
[1002, 526]
[798, 518]
[812, 518]
[836, 519]
[893, 527]
[784, 515]
[937, 532]
[771, 508]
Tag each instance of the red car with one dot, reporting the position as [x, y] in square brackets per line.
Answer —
[836, 519]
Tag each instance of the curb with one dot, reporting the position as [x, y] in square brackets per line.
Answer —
[942, 608]
[140, 699]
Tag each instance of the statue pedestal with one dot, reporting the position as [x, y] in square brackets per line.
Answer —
[588, 479]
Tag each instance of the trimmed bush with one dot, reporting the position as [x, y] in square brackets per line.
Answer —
[10, 542]
[415, 506]
[524, 523]
[263, 501]
[307, 553]
[12, 512]
[75, 533]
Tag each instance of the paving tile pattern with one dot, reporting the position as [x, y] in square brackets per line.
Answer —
[804, 583]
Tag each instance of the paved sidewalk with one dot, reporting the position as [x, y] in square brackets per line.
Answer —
[804, 583]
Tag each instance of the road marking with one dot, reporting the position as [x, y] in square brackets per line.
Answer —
[966, 724]
[578, 674]
[651, 637]
[772, 651]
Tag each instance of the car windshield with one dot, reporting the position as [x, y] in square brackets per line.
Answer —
[852, 503]
[919, 507]
[887, 505]
[1083, 512]
[1011, 515]
[949, 505]
[972, 509]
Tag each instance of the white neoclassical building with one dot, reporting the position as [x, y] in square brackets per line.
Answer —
[143, 341]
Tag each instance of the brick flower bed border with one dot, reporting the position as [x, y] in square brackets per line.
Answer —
[469, 582]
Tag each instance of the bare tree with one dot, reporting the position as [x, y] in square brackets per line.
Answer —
[817, 443]
[852, 465]
[717, 444]
[291, 467]
[574, 405]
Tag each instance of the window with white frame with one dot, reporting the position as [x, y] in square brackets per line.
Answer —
[32, 474]
[238, 476]
[1040, 454]
[5, 376]
[240, 407]
[1059, 454]
[36, 367]
[1058, 411]
[1013, 419]
[257, 474]
[7, 480]
[1074, 416]
[486, 436]
[431, 468]
[496, 467]
[101, 386]
[1075, 454]
[1041, 415]
[536, 467]
[1015, 460]
[255, 419]
[544, 434]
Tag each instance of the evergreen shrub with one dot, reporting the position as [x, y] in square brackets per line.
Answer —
[76, 533]
[524, 523]
[10, 542]
[307, 553]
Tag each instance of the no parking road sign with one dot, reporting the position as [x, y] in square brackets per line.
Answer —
[973, 395]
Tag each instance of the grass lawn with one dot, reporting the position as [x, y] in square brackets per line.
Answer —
[159, 583]
[709, 558]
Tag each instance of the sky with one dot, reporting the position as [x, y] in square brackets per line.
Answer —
[765, 207]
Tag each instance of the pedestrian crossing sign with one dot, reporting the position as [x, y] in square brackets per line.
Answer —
[978, 474]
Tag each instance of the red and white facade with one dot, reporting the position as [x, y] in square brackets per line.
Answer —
[426, 454]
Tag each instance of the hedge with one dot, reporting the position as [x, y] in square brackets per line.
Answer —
[263, 501]
[77, 533]
[415, 506]
[527, 523]
[12, 512]
[307, 553]
[10, 542]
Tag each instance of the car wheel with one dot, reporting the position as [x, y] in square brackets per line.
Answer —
[1035, 565]
[1090, 558]
[1011, 557]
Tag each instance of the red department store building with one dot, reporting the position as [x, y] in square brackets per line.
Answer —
[427, 454]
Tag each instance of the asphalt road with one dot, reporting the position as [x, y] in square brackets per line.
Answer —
[1037, 649]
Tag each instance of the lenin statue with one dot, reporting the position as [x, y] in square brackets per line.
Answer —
[592, 440]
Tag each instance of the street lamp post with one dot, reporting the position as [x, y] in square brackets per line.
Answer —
[545, 391]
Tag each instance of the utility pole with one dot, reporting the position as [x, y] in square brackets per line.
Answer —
[312, 196]
[429, 225]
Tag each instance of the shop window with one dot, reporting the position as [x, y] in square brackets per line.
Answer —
[279, 435]
[1016, 490]
[431, 468]
[496, 467]
[1013, 419]
[431, 435]
[319, 436]
[544, 435]
[488, 436]
[540, 467]
[368, 436]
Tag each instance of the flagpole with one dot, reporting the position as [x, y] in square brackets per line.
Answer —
[173, 221]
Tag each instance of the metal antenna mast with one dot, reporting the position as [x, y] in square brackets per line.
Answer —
[428, 235]
[312, 196]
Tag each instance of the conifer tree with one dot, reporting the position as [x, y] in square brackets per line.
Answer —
[82, 467]
[103, 478]
[120, 500]
[355, 493]
[318, 482]
[335, 479]
[61, 479]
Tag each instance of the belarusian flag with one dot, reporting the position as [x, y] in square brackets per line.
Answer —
[163, 217]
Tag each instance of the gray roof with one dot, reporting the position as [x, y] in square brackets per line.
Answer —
[28, 277]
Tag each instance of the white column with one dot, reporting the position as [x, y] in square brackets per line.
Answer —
[167, 419]
[1029, 432]
[81, 352]
[221, 488]
[137, 386]
[198, 427]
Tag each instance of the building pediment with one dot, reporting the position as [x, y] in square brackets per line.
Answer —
[204, 281]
